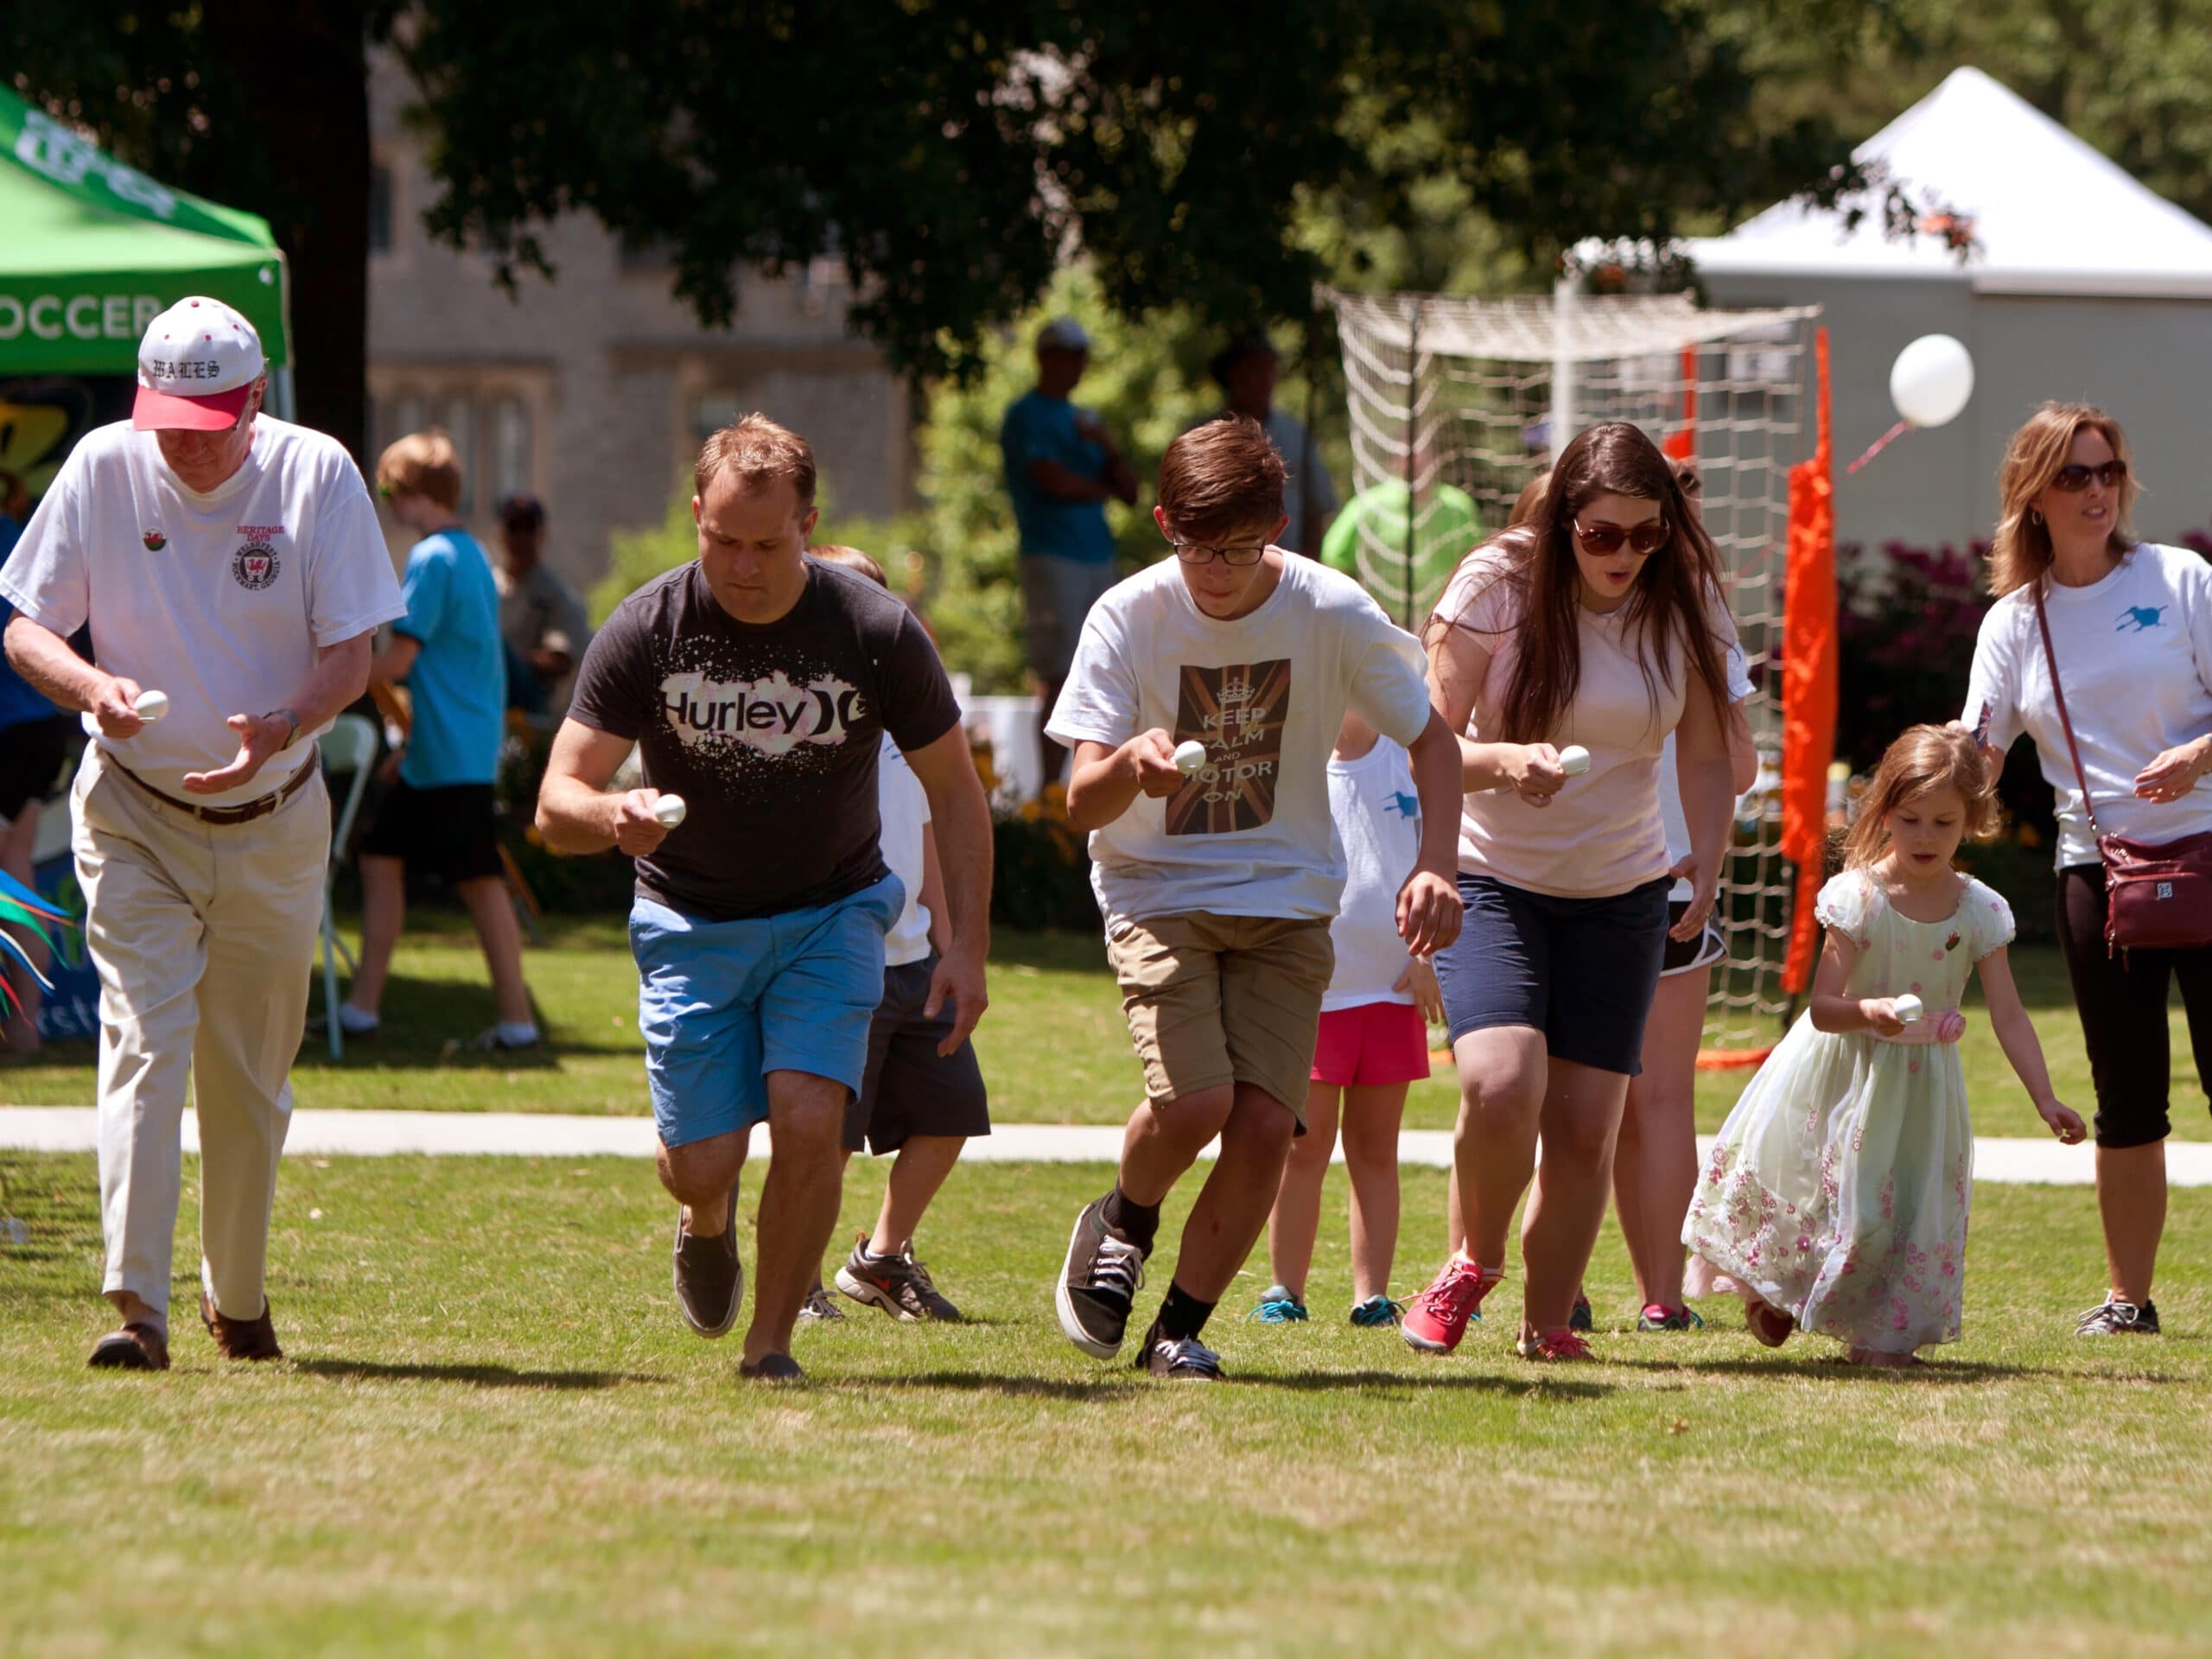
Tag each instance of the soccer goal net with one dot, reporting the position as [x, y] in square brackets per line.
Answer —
[1456, 403]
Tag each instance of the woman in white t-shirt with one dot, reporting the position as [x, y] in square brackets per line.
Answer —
[1592, 627]
[2131, 626]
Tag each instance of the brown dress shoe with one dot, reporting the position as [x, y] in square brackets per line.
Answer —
[134, 1348]
[254, 1338]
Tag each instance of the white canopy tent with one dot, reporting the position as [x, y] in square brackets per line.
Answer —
[2080, 283]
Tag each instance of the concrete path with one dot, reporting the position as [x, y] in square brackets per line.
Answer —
[530, 1135]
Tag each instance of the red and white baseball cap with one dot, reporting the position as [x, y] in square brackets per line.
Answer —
[196, 368]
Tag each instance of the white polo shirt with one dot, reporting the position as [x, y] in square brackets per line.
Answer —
[220, 599]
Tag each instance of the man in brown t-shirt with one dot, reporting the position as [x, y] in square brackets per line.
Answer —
[757, 684]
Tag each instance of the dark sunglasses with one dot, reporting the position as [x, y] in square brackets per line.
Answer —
[2076, 478]
[1646, 538]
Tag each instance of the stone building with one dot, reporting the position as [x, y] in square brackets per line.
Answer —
[595, 389]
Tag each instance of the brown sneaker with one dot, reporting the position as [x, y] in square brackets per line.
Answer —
[134, 1348]
[709, 1283]
[254, 1338]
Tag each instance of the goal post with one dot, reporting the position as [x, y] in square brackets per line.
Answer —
[1455, 404]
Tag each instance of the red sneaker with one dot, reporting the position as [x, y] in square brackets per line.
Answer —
[1566, 1344]
[1438, 1316]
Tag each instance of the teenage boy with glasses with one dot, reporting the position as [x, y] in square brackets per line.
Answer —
[1218, 886]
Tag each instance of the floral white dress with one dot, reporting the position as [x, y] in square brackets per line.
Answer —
[1839, 1186]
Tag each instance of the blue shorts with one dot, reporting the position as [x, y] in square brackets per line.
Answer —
[1581, 970]
[723, 1004]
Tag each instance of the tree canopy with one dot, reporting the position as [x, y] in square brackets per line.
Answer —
[954, 153]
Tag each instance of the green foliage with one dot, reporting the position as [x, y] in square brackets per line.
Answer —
[636, 556]
[951, 155]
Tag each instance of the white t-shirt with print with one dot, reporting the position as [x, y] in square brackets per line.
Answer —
[904, 806]
[1250, 833]
[1377, 816]
[1671, 818]
[221, 599]
[2135, 658]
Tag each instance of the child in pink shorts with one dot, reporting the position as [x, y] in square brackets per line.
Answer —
[1373, 1040]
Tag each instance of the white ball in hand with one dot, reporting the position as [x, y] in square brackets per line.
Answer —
[669, 810]
[1906, 1007]
[1190, 756]
[1574, 759]
[150, 706]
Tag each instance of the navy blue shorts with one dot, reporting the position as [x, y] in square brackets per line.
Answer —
[1581, 970]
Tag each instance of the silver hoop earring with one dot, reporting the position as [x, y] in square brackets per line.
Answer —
[2035, 516]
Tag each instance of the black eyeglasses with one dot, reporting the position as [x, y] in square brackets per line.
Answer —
[1646, 537]
[2076, 478]
[1199, 553]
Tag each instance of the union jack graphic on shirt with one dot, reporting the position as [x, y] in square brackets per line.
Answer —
[1237, 711]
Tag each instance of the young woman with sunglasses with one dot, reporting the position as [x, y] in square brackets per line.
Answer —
[2131, 626]
[1594, 625]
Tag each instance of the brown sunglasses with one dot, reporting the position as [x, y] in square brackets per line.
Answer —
[2075, 478]
[1646, 538]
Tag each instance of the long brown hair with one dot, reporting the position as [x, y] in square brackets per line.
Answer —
[1667, 605]
[1926, 758]
[2019, 553]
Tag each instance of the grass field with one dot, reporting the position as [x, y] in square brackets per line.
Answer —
[491, 1435]
[1054, 1046]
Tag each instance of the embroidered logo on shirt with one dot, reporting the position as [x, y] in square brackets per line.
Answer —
[155, 541]
[254, 566]
[2140, 619]
[1237, 711]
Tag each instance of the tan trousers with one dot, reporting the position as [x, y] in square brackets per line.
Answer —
[204, 937]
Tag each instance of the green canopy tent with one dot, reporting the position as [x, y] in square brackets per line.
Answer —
[91, 250]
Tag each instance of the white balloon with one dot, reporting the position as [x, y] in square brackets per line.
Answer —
[1931, 380]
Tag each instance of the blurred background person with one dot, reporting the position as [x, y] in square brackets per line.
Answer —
[1061, 466]
[541, 618]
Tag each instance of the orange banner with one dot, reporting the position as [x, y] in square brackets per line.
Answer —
[1682, 443]
[1808, 678]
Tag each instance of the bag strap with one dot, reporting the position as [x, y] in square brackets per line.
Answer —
[2058, 694]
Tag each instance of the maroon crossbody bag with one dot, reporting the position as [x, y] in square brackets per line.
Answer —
[2157, 894]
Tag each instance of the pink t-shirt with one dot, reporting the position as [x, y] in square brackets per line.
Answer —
[1602, 833]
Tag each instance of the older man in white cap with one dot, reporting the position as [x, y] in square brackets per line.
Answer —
[1061, 465]
[232, 562]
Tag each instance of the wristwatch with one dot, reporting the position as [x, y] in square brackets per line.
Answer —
[291, 736]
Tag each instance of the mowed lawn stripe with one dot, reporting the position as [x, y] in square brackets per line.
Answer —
[1054, 1046]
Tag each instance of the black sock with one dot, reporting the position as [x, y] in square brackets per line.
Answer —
[1183, 1314]
[1137, 1223]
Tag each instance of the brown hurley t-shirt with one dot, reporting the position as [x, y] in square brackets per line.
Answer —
[769, 732]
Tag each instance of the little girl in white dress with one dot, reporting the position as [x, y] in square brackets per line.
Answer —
[1835, 1199]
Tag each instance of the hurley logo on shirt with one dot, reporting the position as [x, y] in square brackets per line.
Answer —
[774, 716]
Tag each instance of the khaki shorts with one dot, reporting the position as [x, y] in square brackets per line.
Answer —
[1214, 999]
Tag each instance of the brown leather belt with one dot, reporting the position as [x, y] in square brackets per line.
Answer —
[244, 812]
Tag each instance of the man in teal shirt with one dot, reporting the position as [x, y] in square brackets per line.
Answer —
[440, 815]
[1061, 465]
